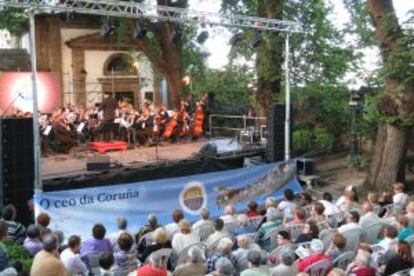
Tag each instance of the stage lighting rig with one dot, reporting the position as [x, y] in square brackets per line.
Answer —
[108, 30]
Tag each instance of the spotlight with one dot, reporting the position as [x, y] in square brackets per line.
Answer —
[236, 39]
[257, 39]
[176, 34]
[140, 32]
[202, 37]
[67, 16]
[108, 30]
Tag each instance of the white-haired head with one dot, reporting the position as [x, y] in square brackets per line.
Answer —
[225, 245]
[196, 255]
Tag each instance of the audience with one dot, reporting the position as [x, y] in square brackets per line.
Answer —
[252, 209]
[4, 262]
[195, 265]
[404, 231]
[337, 247]
[223, 267]
[368, 216]
[223, 251]
[299, 217]
[106, 261]
[229, 214]
[218, 233]
[310, 232]
[399, 259]
[361, 265]
[243, 226]
[125, 257]
[245, 244]
[70, 257]
[185, 237]
[155, 267]
[372, 198]
[274, 220]
[256, 269]
[146, 229]
[349, 200]
[283, 241]
[122, 224]
[400, 198]
[43, 221]
[316, 255]
[205, 226]
[305, 199]
[330, 208]
[98, 243]
[159, 240]
[385, 199]
[317, 212]
[16, 231]
[287, 206]
[32, 242]
[173, 228]
[410, 213]
[287, 265]
[390, 237]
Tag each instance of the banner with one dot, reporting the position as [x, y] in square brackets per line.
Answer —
[75, 211]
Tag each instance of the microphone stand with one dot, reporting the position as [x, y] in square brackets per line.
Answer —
[11, 105]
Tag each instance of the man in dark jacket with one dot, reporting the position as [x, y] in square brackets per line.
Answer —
[108, 107]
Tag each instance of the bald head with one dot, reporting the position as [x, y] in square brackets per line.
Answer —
[367, 207]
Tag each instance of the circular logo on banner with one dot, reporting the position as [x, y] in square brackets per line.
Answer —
[193, 197]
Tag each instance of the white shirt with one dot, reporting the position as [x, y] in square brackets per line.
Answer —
[113, 238]
[330, 208]
[349, 226]
[202, 223]
[227, 219]
[172, 229]
[287, 207]
[72, 261]
[400, 199]
[387, 243]
[215, 237]
[368, 219]
[180, 240]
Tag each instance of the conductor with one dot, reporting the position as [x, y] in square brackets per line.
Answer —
[108, 108]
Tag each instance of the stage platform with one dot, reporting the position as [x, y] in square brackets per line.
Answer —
[65, 165]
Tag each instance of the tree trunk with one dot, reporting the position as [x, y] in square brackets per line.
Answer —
[175, 86]
[397, 102]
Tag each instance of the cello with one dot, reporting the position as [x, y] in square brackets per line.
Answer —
[198, 121]
[171, 125]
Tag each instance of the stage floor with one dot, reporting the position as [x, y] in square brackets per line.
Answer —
[64, 165]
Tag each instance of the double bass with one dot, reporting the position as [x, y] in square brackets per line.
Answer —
[171, 126]
[198, 121]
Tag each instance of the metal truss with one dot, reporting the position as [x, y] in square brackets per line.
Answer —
[115, 8]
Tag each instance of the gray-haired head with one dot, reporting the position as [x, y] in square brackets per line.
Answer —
[225, 245]
[244, 241]
[363, 257]
[155, 260]
[50, 242]
[196, 255]
[224, 267]
[287, 256]
[152, 220]
[205, 214]
[122, 223]
[60, 236]
[254, 257]
[273, 213]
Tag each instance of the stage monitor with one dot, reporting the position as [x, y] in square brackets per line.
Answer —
[16, 92]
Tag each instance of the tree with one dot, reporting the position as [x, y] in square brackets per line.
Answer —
[396, 106]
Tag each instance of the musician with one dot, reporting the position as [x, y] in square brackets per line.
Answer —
[108, 108]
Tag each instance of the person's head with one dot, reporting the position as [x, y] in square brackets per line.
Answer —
[122, 223]
[98, 231]
[160, 236]
[339, 241]
[252, 206]
[366, 207]
[205, 214]
[386, 198]
[74, 243]
[254, 257]
[372, 197]
[33, 231]
[3, 230]
[352, 216]
[244, 241]
[224, 267]
[311, 228]
[363, 258]
[305, 199]
[125, 242]
[242, 219]
[43, 219]
[283, 237]
[225, 245]
[156, 260]
[218, 224]
[398, 187]
[402, 222]
[177, 215]
[390, 232]
[229, 210]
[270, 202]
[152, 220]
[289, 194]
[327, 196]
[300, 214]
[317, 246]
[50, 243]
[184, 226]
[351, 194]
[287, 256]
[8, 212]
[106, 260]
[272, 214]
[60, 236]
[403, 249]
[410, 208]
[318, 208]
[336, 272]
[196, 255]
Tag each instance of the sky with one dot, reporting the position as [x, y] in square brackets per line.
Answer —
[217, 44]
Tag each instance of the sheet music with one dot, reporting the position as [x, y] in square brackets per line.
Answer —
[47, 130]
[80, 127]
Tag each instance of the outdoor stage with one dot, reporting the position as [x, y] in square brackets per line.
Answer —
[65, 165]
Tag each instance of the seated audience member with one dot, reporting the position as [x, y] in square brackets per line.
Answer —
[316, 255]
[32, 242]
[390, 237]
[125, 257]
[43, 221]
[159, 240]
[373, 198]
[61, 239]
[195, 265]
[46, 262]
[349, 200]
[361, 265]
[384, 200]
[352, 222]
[287, 266]
[223, 251]
[305, 199]
[106, 261]
[401, 258]
[155, 267]
[205, 226]
[3, 254]
[229, 214]
[337, 247]
[400, 198]
[287, 206]
[336, 272]
[223, 267]
[330, 208]
[310, 232]
[368, 216]
[173, 228]
[298, 217]
[274, 220]
[16, 231]
[404, 231]
[269, 202]
[98, 243]
[245, 244]
[219, 232]
[122, 224]
[70, 257]
[148, 228]
[185, 237]
[256, 269]
[283, 241]
[410, 213]
[243, 226]
[317, 212]
[252, 207]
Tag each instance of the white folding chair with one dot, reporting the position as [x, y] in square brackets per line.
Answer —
[371, 232]
[204, 231]
[181, 256]
[343, 260]
[319, 268]
[272, 236]
[165, 254]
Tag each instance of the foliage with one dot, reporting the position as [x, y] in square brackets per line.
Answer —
[16, 252]
[14, 20]
[302, 141]
[312, 140]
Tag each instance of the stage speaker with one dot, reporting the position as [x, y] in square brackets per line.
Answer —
[98, 163]
[17, 166]
[206, 151]
[305, 166]
[275, 146]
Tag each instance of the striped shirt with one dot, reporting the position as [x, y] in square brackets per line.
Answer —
[15, 231]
